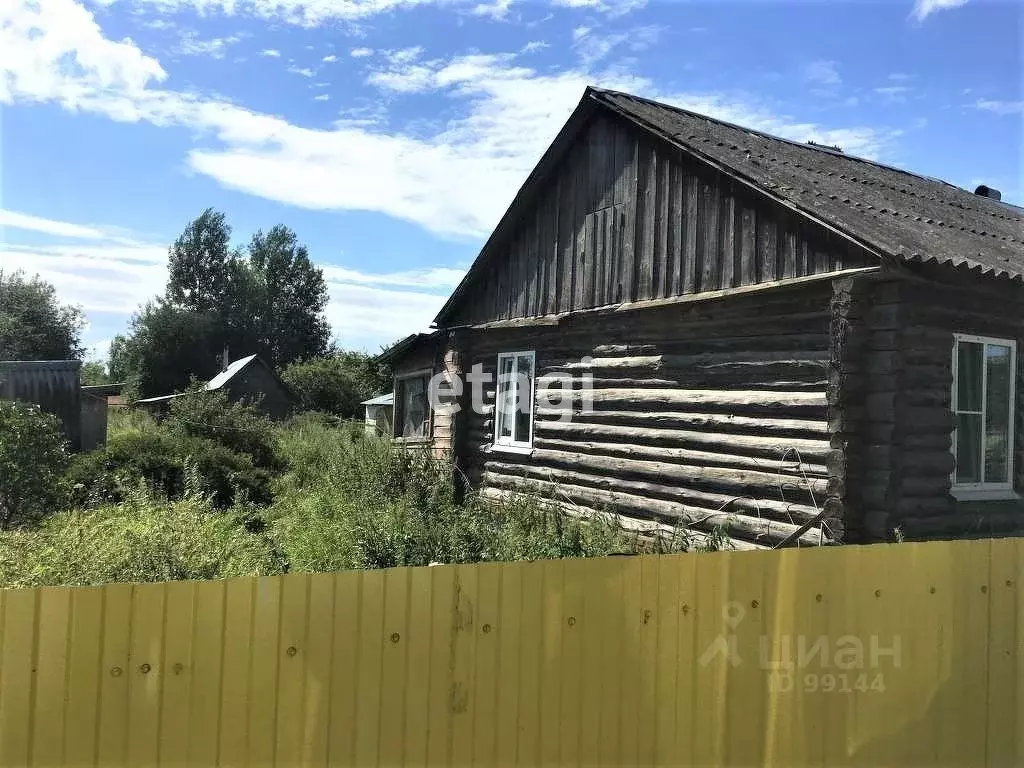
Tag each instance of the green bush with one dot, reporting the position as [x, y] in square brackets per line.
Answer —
[239, 427]
[141, 539]
[33, 457]
[159, 460]
[337, 384]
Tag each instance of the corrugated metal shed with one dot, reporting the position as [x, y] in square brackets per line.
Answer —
[53, 385]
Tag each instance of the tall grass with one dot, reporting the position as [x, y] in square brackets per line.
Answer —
[340, 500]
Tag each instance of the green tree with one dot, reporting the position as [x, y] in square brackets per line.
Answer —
[94, 373]
[33, 457]
[164, 349]
[268, 300]
[337, 384]
[34, 325]
[198, 264]
[293, 296]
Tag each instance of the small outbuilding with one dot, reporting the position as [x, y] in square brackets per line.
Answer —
[380, 414]
[247, 379]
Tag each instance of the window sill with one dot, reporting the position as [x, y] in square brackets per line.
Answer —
[985, 494]
[522, 450]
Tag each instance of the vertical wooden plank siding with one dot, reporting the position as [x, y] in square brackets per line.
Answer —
[798, 657]
[626, 217]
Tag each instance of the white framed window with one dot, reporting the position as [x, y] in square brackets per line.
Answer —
[513, 406]
[984, 386]
[412, 409]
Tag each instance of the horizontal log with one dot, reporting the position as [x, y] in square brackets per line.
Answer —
[768, 446]
[647, 530]
[760, 530]
[789, 466]
[790, 511]
[703, 399]
[766, 425]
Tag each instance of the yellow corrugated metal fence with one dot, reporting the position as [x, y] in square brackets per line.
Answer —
[889, 655]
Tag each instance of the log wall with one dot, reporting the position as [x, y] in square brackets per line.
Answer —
[904, 384]
[626, 217]
[713, 413]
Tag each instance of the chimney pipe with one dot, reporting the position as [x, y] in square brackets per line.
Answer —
[992, 194]
[225, 358]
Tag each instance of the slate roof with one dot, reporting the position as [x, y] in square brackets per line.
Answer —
[892, 211]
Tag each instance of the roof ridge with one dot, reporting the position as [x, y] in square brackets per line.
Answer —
[813, 147]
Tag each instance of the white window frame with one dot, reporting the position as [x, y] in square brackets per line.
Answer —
[505, 443]
[398, 409]
[983, 490]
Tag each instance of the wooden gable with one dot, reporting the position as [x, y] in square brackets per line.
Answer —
[625, 216]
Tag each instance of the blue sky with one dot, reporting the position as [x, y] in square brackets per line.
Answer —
[391, 134]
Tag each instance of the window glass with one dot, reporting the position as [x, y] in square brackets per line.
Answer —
[968, 448]
[969, 376]
[506, 397]
[997, 413]
[513, 406]
[415, 413]
[524, 388]
[983, 409]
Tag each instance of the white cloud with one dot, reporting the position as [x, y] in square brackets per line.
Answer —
[329, 59]
[822, 72]
[924, 8]
[271, 52]
[321, 97]
[304, 71]
[360, 53]
[1000, 107]
[610, 7]
[496, 9]
[99, 277]
[534, 45]
[893, 92]
[592, 47]
[307, 13]
[191, 45]
[29, 223]
[452, 178]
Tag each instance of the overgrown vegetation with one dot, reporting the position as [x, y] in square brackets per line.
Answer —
[215, 490]
[33, 457]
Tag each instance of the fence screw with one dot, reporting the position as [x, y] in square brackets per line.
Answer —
[878, 593]
[395, 637]
[817, 597]
[754, 603]
[572, 621]
[932, 590]
[115, 671]
[292, 650]
[486, 628]
[686, 609]
[179, 668]
[144, 668]
[984, 589]
[1009, 582]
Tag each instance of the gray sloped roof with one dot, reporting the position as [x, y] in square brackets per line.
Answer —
[388, 399]
[895, 212]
